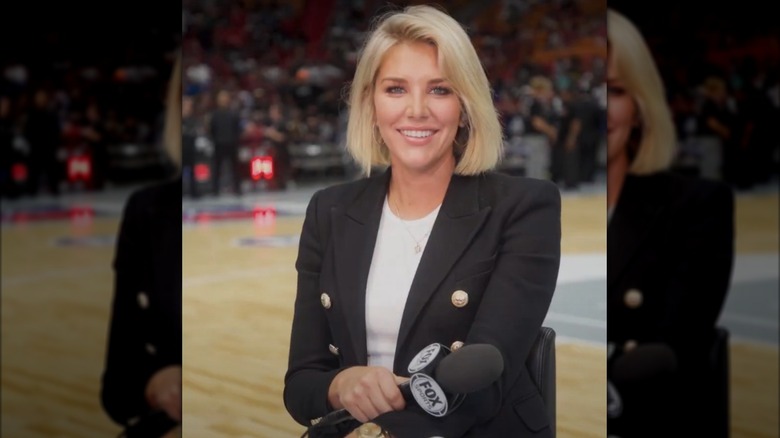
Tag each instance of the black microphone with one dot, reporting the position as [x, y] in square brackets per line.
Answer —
[448, 377]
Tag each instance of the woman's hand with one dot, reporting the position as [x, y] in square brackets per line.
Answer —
[163, 391]
[366, 392]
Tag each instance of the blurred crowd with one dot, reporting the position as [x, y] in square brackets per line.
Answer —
[720, 63]
[285, 67]
[282, 68]
[71, 119]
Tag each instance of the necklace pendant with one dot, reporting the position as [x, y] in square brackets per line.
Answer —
[417, 248]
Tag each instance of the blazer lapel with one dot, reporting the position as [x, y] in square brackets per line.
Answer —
[354, 230]
[639, 206]
[458, 222]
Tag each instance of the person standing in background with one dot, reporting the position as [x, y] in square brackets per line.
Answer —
[543, 126]
[225, 130]
[44, 134]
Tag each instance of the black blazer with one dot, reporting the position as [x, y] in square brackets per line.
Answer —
[496, 237]
[145, 327]
[670, 250]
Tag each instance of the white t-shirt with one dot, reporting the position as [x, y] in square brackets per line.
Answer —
[393, 266]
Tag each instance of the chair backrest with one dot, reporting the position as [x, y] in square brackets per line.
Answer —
[541, 366]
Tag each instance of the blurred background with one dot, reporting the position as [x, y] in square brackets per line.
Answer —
[283, 68]
[718, 61]
[81, 102]
[82, 93]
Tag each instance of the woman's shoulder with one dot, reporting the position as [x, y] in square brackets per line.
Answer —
[502, 185]
[344, 192]
[683, 189]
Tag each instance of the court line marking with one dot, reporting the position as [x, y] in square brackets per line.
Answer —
[48, 275]
[199, 280]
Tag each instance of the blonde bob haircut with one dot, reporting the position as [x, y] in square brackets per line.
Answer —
[479, 144]
[638, 72]
[172, 125]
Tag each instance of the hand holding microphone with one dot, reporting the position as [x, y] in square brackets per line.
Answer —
[163, 391]
[366, 392]
[440, 380]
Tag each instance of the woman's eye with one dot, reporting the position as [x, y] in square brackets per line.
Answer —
[441, 91]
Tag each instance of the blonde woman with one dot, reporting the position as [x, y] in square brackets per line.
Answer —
[437, 248]
[669, 257]
[141, 381]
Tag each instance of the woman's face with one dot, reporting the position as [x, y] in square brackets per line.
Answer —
[417, 111]
[622, 113]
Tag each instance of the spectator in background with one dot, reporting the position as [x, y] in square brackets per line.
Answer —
[278, 135]
[43, 133]
[94, 133]
[717, 131]
[226, 130]
[542, 128]
[565, 164]
[189, 135]
[590, 133]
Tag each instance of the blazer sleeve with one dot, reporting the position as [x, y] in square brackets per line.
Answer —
[512, 310]
[702, 268]
[311, 367]
[128, 366]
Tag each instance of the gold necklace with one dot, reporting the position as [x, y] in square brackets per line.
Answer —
[418, 242]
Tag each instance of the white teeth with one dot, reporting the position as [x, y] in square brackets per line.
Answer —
[417, 134]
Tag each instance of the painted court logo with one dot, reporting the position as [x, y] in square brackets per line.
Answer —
[428, 394]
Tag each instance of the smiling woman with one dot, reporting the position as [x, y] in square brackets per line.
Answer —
[417, 114]
[439, 248]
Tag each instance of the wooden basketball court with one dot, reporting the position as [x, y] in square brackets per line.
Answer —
[239, 287]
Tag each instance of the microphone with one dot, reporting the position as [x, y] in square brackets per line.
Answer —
[442, 379]
[427, 360]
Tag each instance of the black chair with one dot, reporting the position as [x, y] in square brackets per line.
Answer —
[541, 366]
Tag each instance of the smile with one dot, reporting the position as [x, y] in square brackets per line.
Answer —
[417, 134]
